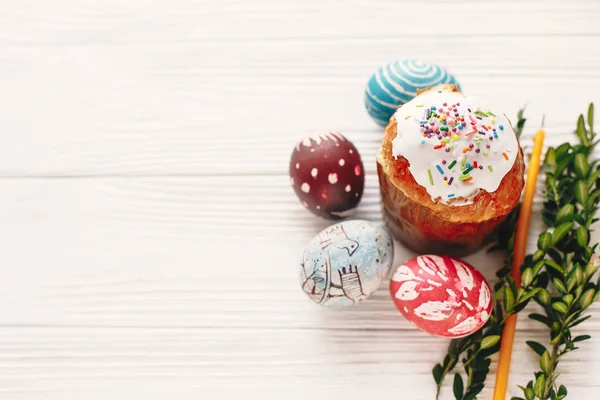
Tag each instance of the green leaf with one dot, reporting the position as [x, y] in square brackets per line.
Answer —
[581, 192]
[539, 386]
[581, 166]
[559, 285]
[561, 231]
[509, 299]
[554, 265]
[529, 395]
[593, 178]
[537, 267]
[587, 298]
[581, 133]
[590, 117]
[527, 277]
[591, 268]
[578, 275]
[528, 295]
[560, 307]
[562, 392]
[437, 372]
[550, 158]
[583, 236]
[572, 281]
[581, 338]
[546, 363]
[567, 299]
[562, 150]
[544, 296]
[593, 198]
[538, 255]
[473, 391]
[579, 321]
[537, 347]
[458, 387]
[489, 341]
[565, 214]
[557, 339]
[545, 241]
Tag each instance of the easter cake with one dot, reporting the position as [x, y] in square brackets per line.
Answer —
[450, 171]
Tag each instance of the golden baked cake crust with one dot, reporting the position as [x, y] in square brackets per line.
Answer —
[426, 224]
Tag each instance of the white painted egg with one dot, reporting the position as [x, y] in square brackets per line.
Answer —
[346, 262]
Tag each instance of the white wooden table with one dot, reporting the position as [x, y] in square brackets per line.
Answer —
[149, 237]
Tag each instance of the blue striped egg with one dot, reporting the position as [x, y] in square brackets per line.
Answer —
[397, 83]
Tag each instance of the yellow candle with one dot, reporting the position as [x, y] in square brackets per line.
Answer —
[508, 334]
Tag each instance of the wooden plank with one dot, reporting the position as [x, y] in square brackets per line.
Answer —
[66, 362]
[128, 285]
[75, 22]
[199, 252]
[157, 111]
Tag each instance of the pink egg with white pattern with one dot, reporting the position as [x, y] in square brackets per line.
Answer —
[327, 174]
[441, 295]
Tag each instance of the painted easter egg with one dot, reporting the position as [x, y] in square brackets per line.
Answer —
[327, 175]
[441, 295]
[345, 263]
[397, 83]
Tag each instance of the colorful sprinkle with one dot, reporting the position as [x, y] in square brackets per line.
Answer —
[430, 177]
[467, 149]
[468, 179]
[440, 169]
[505, 155]
[452, 164]
[501, 127]
[471, 133]
[466, 171]
[490, 168]
[463, 177]
[419, 105]
[451, 195]
[450, 181]
[439, 146]
[408, 116]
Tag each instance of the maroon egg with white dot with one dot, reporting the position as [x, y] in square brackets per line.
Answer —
[327, 175]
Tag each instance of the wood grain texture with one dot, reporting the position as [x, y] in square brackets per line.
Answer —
[150, 238]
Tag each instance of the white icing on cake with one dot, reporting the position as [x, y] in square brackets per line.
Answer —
[431, 141]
